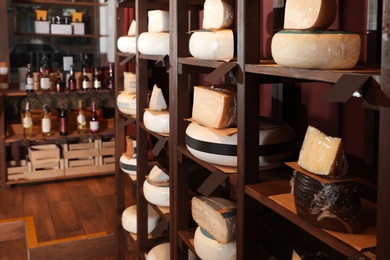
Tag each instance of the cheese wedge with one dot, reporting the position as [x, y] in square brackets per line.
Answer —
[157, 101]
[322, 154]
[158, 21]
[158, 175]
[312, 14]
[130, 82]
[132, 29]
[215, 106]
[217, 216]
[217, 14]
[156, 43]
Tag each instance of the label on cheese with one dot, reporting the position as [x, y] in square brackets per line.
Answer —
[217, 14]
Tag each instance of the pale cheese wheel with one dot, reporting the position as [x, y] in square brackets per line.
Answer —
[276, 143]
[212, 45]
[127, 103]
[159, 252]
[313, 14]
[158, 21]
[157, 195]
[217, 14]
[207, 248]
[315, 49]
[157, 122]
[130, 82]
[127, 165]
[153, 43]
[129, 219]
[127, 44]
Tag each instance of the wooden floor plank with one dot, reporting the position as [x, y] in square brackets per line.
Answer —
[35, 203]
[65, 219]
[10, 198]
[11, 212]
[83, 199]
[100, 187]
[14, 249]
[94, 221]
[45, 229]
[107, 205]
[56, 191]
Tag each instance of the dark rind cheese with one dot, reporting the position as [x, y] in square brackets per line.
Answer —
[330, 205]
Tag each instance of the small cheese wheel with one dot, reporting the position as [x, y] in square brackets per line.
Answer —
[127, 103]
[153, 43]
[157, 195]
[313, 14]
[130, 82]
[207, 248]
[127, 165]
[127, 44]
[313, 49]
[129, 219]
[212, 45]
[158, 21]
[157, 122]
[217, 14]
[159, 252]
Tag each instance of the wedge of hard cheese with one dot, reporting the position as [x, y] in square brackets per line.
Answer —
[312, 14]
[322, 154]
[217, 216]
[158, 175]
[157, 101]
[217, 14]
[215, 106]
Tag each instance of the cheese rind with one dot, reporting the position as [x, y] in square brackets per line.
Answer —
[127, 44]
[212, 45]
[158, 21]
[217, 216]
[158, 175]
[302, 49]
[215, 106]
[127, 103]
[129, 219]
[217, 14]
[323, 155]
[313, 14]
[157, 101]
[158, 122]
[157, 195]
[156, 43]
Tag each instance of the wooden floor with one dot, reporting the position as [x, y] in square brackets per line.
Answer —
[61, 210]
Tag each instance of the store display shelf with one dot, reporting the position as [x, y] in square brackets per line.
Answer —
[58, 2]
[61, 35]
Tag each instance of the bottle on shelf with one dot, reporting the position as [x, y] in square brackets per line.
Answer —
[59, 84]
[45, 79]
[81, 122]
[85, 84]
[111, 79]
[87, 63]
[63, 117]
[27, 122]
[94, 122]
[71, 80]
[45, 62]
[97, 80]
[46, 122]
[29, 79]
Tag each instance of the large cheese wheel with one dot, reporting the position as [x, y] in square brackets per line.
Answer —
[129, 219]
[207, 248]
[212, 45]
[217, 216]
[127, 103]
[157, 195]
[313, 14]
[127, 44]
[276, 143]
[217, 14]
[157, 121]
[159, 252]
[313, 49]
[153, 43]
[127, 165]
[158, 21]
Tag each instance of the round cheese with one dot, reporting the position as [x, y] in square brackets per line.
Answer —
[156, 43]
[212, 45]
[207, 248]
[159, 252]
[127, 103]
[127, 165]
[157, 195]
[313, 49]
[217, 14]
[276, 143]
[158, 21]
[127, 44]
[157, 121]
[129, 219]
[313, 14]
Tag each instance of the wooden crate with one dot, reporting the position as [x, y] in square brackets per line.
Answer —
[43, 170]
[17, 170]
[106, 157]
[81, 158]
[41, 154]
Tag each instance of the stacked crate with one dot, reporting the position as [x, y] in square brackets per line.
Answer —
[106, 157]
[44, 161]
[81, 158]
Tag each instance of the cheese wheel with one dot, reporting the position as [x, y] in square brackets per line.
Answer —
[158, 21]
[316, 49]
[153, 43]
[207, 248]
[130, 82]
[219, 99]
[212, 45]
[159, 252]
[157, 122]
[217, 14]
[158, 175]
[129, 219]
[217, 216]
[313, 14]
[276, 143]
[157, 195]
[322, 154]
[127, 165]
[127, 103]
[127, 44]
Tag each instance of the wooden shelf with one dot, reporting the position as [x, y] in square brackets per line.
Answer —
[61, 35]
[59, 2]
